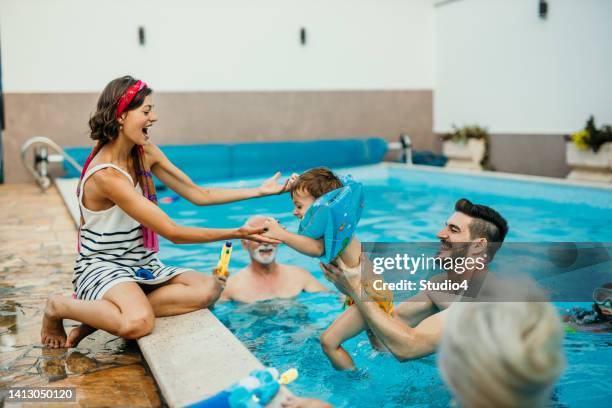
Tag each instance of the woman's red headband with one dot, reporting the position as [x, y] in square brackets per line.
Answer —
[128, 96]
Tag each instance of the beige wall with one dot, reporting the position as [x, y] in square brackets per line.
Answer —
[532, 154]
[539, 155]
[203, 117]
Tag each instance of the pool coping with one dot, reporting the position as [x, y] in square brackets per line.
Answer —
[192, 356]
[501, 175]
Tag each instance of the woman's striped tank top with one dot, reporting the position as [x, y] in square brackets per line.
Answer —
[112, 250]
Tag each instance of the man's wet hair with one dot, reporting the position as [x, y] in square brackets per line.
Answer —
[316, 182]
[487, 223]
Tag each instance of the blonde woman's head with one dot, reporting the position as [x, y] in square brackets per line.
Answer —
[502, 354]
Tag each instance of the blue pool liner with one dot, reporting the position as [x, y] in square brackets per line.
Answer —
[225, 161]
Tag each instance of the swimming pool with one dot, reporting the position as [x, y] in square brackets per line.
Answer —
[402, 205]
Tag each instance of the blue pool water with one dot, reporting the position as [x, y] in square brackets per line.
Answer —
[401, 206]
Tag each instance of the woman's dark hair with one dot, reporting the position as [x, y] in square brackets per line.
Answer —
[105, 128]
[103, 123]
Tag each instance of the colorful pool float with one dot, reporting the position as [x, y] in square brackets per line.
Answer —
[254, 391]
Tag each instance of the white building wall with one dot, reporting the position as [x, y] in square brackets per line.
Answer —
[217, 45]
[491, 62]
[499, 65]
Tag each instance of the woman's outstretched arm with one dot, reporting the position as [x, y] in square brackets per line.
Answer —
[180, 183]
[117, 188]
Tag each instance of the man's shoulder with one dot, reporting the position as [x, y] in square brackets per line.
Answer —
[239, 276]
[300, 277]
[296, 273]
[293, 269]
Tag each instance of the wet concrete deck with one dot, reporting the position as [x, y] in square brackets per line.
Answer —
[37, 252]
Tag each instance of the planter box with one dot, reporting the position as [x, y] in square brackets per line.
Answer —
[464, 155]
[588, 165]
[588, 158]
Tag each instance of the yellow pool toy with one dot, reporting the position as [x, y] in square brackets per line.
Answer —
[224, 260]
[288, 376]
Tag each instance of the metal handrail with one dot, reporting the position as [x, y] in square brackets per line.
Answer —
[42, 159]
[404, 145]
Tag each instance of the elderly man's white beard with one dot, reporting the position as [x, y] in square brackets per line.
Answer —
[264, 258]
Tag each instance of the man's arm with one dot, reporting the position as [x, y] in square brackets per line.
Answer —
[404, 341]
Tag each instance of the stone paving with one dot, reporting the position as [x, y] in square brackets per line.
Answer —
[37, 252]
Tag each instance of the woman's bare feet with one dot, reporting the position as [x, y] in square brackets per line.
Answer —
[52, 333]
[79, 333]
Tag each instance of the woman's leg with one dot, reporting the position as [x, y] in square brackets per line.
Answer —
[124, 311]
[185, 293]
[348, 325]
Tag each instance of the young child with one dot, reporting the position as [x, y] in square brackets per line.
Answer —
[305, 190]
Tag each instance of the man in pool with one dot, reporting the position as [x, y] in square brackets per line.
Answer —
[415, 328]
[598, 319]
[264, 278]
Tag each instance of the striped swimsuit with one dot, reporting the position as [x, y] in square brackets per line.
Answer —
[112, 250]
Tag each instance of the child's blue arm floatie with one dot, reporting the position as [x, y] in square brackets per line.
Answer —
[334, 217]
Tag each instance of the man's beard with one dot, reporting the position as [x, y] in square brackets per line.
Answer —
[264, 254]
[453, 250]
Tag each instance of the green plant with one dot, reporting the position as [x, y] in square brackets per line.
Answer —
[590, 137]
[463, 134]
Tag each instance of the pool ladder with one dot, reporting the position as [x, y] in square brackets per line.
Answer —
[405, 146]
[39, 166]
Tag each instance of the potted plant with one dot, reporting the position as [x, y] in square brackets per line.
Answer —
[466, 147]
[589, 153]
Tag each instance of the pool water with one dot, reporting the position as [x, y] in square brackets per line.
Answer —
[402, 205]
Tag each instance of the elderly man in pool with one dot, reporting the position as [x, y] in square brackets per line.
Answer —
[264, 278]
[414, 329]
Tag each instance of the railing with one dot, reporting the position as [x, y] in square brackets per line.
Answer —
[39, 169]
[405, 146]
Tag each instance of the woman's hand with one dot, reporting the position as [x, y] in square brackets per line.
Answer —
[291, 181]
[255, 234]
[271, 186]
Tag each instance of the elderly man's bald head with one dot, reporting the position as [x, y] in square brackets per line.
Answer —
[256, 221]
[264, 254]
